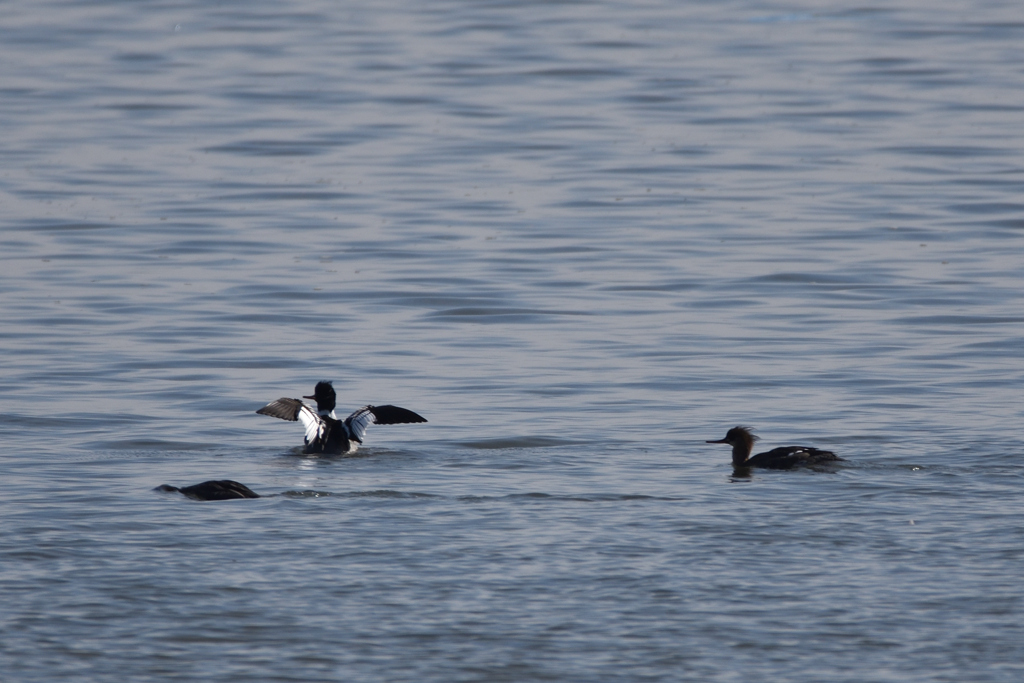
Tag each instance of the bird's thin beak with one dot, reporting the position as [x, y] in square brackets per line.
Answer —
[719, 441]
[312, 397]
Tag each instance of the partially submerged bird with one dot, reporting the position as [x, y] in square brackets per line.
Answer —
[221, 489]
[325, 433]
[781, 458]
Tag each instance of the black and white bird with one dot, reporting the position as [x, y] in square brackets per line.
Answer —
[325, 433]
[220, 489]
[782, 458]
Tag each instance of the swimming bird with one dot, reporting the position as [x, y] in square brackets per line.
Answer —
[221, 489]
[781, 458]
[325, 433]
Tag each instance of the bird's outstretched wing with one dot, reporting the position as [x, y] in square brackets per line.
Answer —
[358, 421]
[292, 409]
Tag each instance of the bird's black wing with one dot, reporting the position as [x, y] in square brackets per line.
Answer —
[293, 410]
[284, 408]
[393, 415]
[358, 421]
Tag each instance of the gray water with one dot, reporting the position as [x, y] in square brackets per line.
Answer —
[581, 238]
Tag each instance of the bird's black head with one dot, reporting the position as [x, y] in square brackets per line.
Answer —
[324, 396]
[742, 441]
[738, 435]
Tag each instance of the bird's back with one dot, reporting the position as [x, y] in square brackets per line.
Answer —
[788, 457]
[333, 438]
[219, 489]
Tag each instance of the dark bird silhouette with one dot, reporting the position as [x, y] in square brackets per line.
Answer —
[325, 433]
[221, 489]
[781, 458]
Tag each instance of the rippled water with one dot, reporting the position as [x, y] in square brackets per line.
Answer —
[581, 238]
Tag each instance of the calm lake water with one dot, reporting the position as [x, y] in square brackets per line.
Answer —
[581, 238]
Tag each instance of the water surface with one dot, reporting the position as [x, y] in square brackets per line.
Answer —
[581, 238]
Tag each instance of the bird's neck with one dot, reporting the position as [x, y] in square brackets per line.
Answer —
[741, 453]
